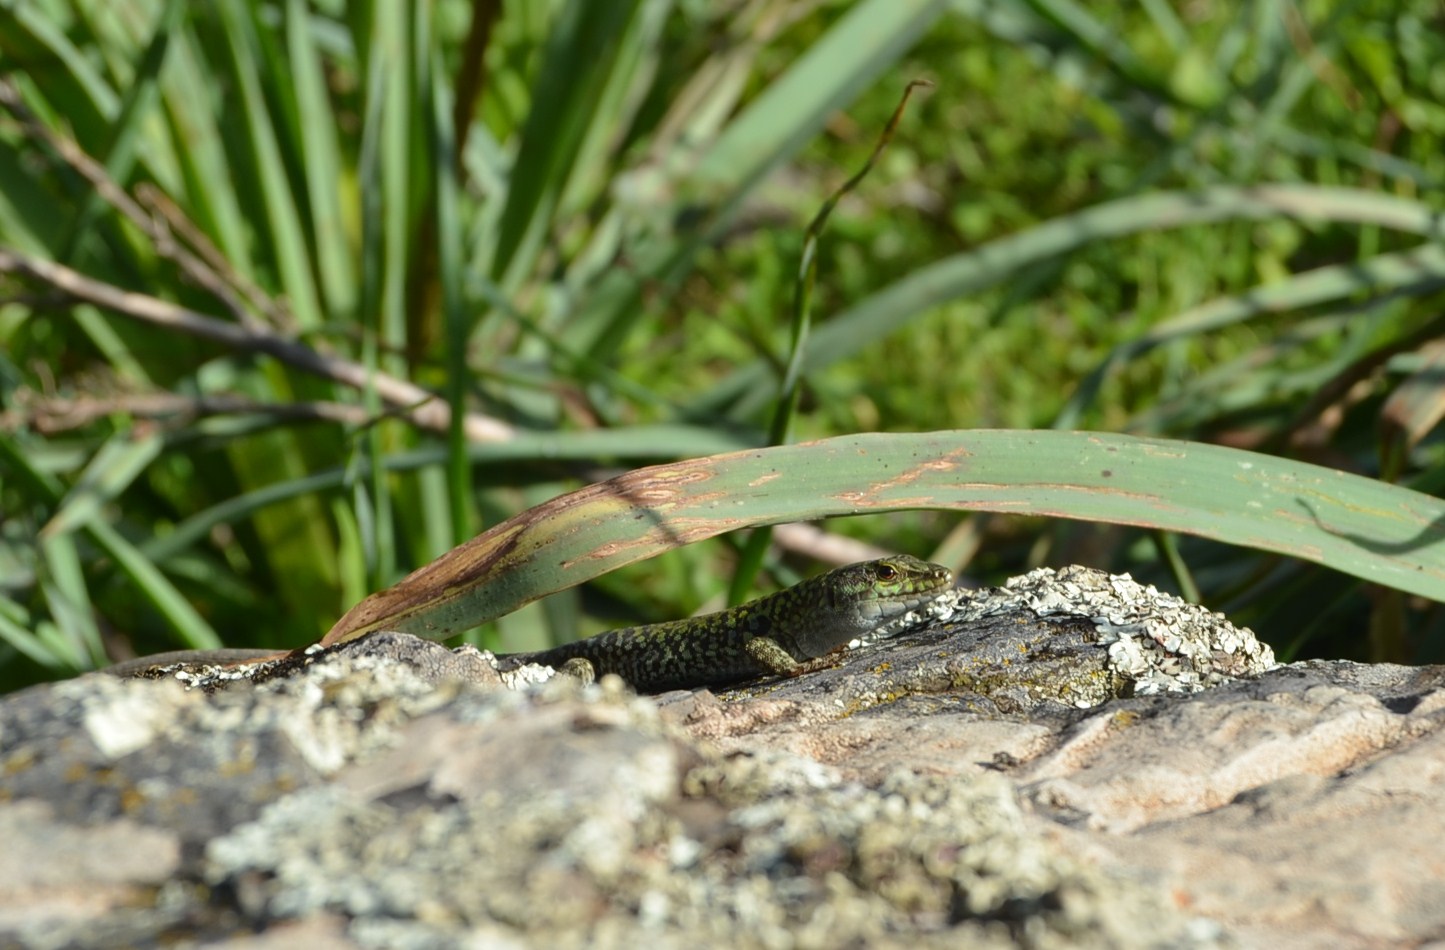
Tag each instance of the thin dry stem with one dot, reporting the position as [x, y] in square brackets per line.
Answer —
[418, 405]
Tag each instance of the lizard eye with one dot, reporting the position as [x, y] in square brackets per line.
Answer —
[886, 572]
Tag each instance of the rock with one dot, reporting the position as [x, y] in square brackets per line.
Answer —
[1004, 776]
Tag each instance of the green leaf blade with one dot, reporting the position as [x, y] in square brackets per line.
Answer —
[1373, 530]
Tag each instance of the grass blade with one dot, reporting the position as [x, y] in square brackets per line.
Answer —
[289, 246]
[1415, 271]
[321, 162]
[858, 328]
[66, 593]
[1373, 530]
[190, 628]
[772, 128]
[119, 151]
[115, 466]
[19, 630]
[621, 445]
[449, 267]
[584, 46]
[775, 125]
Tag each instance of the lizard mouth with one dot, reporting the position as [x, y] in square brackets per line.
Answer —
[886, 608]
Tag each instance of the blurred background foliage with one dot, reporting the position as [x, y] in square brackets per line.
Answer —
[576, 225]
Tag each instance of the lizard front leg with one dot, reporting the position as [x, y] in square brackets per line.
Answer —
[772, 657]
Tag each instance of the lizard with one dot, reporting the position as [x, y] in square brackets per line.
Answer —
[787, 633]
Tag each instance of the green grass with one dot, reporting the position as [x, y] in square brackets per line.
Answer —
[551, 242]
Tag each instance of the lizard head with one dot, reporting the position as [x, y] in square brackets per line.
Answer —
[856, 600]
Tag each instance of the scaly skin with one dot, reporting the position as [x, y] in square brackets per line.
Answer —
[784, 634]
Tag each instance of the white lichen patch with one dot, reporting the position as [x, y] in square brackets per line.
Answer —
[1164, 644]
[121, 719]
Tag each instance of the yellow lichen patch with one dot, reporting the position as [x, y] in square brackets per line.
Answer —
[19, 762]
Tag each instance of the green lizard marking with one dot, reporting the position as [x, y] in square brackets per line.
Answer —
[786, 634]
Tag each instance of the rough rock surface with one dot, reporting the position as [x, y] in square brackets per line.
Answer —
[1008, 775]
